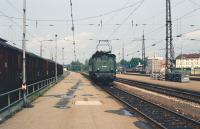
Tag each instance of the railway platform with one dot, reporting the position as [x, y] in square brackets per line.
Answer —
[192, 85]
[75, 103]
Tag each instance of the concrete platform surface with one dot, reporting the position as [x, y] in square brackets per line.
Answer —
[192, 85]
[75, 103]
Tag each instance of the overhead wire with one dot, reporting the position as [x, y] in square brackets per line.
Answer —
[13, 6]
[18, 25]
[110, 12]
[87, 18]
[162, 26]
[152, 45]
[181, 17]
[161, 12]
[134, 10]
[117, 13]
[111, 18]
[194, 3]
[75, 20]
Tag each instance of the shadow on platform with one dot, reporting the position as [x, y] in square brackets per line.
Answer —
[123, 112]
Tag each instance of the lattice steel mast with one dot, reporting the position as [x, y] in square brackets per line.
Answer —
[169, 44]
[143, 52]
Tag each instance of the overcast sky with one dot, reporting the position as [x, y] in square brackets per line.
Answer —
[124, 20]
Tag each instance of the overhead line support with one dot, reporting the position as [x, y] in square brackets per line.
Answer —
[170, 56]
[143, 53]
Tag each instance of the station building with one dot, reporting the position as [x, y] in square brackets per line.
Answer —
[191, 61]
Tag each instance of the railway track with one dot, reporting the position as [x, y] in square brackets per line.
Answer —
[160, 116]
[179, 93]
[194, 78]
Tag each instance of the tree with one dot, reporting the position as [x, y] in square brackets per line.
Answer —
[124, 63]
[75, 66]
[86, 65]
[134, 62]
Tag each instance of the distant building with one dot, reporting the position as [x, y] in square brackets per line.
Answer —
[188, 61]
[191, 61]
[155, 65]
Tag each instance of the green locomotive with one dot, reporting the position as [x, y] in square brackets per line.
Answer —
[102, 67]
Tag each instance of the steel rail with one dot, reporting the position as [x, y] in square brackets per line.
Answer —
[175, 92]
[193, 78]
[160, 116]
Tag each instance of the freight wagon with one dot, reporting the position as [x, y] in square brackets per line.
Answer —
[37, 68]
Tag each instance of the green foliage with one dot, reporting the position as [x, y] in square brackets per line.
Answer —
[86, 66]
[77, 66]
[124, 62]
[132, 63]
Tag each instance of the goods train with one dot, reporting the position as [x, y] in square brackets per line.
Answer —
[37, 68]
[102, 67]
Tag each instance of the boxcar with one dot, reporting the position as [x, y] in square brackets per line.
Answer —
[11, 67]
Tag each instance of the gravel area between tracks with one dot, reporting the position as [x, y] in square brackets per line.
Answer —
[188, 108]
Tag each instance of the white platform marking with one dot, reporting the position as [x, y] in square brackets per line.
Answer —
[88, 103]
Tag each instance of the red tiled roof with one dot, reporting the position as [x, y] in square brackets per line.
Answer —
[187, 56]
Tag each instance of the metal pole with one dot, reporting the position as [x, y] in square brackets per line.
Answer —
[40, 48]
[51, 53]
[56, 74]
[24, 53]
[123, 62]
[63, 56]
[74, 43]
[74, 51]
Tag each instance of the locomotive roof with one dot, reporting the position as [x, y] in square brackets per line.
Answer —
[4, 44]
[100, 53]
